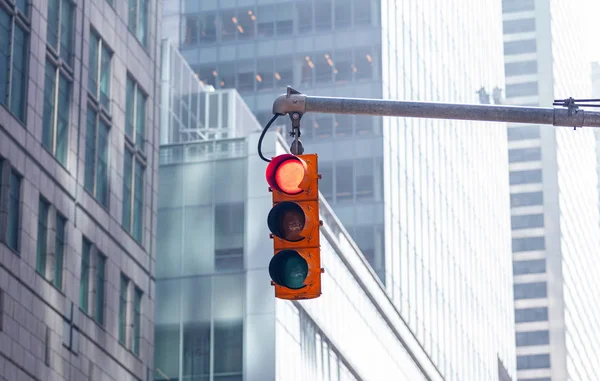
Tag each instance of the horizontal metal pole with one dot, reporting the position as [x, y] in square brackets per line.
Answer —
[294, 101]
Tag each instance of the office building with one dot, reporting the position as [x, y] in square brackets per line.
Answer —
[78, 165]
[555, 234]
[453, 293]
[216, 314]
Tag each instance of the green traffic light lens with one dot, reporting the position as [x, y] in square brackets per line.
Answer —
[288, 269]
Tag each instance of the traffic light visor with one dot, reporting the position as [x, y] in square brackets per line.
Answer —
[288, 174]
[288, 269]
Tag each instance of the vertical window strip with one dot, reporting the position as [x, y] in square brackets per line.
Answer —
[123, 309]
[14, 211]
[100, 278]
[84, 282]
[137, 308]
[127, 189]
[138, 201]
[42, 236]
[59, 251]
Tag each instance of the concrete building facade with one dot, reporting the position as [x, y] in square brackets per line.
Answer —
[78, 188]
[554, 234]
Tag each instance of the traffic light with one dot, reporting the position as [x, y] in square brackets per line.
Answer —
[295, 268]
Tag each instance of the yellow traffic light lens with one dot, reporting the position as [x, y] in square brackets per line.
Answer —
[289, 176]
[288, 269]
[286, 220]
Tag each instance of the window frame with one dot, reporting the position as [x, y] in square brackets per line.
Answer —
[99, 118]
[96, 97]
[51, 128]
[138, 18]
[21, 19]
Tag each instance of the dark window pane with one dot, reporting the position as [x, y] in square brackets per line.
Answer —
[528, 244]
[527, 315]
[93, 64]
[343, 67]
[526, 199]
[226, 75]
[363, 63]
[519, 26]
[100, 277]
[265, 74]
[323, 126]
[266, 21]
[284, 21]
[190, 30]
[61, 223]
[524, 154]
[323, 68]
[307, 70]
[520, 47]
[530, 290]
[19, 72]
[364, 125]
[533, 362]
[49, 106]
[53, 23]
[526, 177]
[42, 236]
[523, 133]
[84, 281]
[535, 266]
[5, 33]
[66, 31]
[284, 71]
[229, 346]
[196, 351]
[208, 75]
[246, 23]
[343, 181]
[364, 170]
[137, 320]
[14, 212]
[208, 28]
[123, 309]
[520, 68]
[228, 25]
[245, 76]
[524, 339]
[343, 125]
[522, 89]
[527, 221]
[509, 6]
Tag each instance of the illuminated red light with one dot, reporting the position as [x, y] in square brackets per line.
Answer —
[286, 173]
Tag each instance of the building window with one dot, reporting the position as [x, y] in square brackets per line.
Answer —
[14, 49]
[527, 221]
[60, 28]
[520, 68]
[57, 97]
[519, 26]
[229, 352]
[99, 72]
[93, 281]
[362, 12]
[50, 254]
[123, 309]
[130, 312]
[525, 177]
[520, 47]
[528, 244]
[208, 28]
[96, 156]
[533, 290]
[138, 19]
[364, 170]
[526, 89]
[323, 15]
[344, 175]
[14, 210]
[42, 236]
[229, 236]
[305, 16]
[535, 266]
[134, 161]
[533, 362]
[137, 320]
[528, 315]
[523, 133]
[526, 199]
[524, 339]
[510, 6]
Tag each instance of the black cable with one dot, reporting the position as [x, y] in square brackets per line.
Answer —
[262, 135]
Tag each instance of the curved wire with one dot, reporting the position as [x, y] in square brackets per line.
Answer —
[262, 135]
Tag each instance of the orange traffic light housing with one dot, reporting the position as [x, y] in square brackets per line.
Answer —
[295, 268]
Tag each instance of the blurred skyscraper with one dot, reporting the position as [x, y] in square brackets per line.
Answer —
[553, 185]
[423, 199]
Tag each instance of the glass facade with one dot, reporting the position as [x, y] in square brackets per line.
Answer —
[552, 231]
